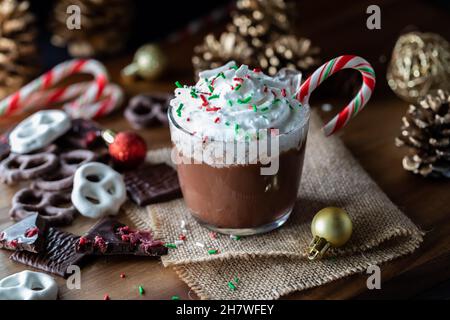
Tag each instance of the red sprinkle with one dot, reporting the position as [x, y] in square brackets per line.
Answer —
[265, 89]
[182, 237]
[188, 119]
[283, 92]
[212, 109]
[106, 297]
[238, 79]
[217, 120]
[213, 235]
[205, 101]
[122, 275]
[257, 70]
[31, 232]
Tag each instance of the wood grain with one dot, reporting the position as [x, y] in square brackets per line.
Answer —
[337, 27]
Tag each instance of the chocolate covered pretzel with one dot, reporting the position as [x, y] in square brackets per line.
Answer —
[18, 167]
[54, 207]
[148, 110]
[62, 179]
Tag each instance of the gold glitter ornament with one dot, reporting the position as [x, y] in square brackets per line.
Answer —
[420, 62]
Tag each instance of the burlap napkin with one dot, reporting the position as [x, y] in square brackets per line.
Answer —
[271, 265]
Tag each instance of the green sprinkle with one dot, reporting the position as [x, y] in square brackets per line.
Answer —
[227, 123]
[246, 100]
[234, 67]
[236, 128]
[213, 251]
[237, 87]
[276, 101]
[141, 290]
[230, 103]
[264, 109]
[221, 75]
[215, 96]
[179, 109]
[170, 245]
[231, 286]
[178, 84]
[211, 88]
[193, 94]
[236, 279]
[235, 237]
[175, 298]
[255, 108]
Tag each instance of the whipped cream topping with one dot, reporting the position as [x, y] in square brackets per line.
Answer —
[234, 102]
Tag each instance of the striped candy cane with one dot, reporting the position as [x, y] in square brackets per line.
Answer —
[358, 102]
[87, 100]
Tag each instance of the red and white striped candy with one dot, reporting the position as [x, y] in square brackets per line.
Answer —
[80, 100]
[358, 102]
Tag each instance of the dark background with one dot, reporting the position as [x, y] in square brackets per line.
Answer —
[337, 27]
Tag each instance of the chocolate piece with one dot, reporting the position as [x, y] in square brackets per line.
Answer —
[17, 167]
[84, 134]
[27, 234]
[110, 237]
[152, 184]
[148, 110]
[62, 178]
[59, 253]
[54, 207]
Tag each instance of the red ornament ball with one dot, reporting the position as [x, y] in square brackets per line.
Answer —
[128, 150]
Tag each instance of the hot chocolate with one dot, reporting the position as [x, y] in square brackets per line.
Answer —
[222, 130]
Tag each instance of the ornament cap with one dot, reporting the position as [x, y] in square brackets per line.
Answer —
[108, 136]
[317, 248]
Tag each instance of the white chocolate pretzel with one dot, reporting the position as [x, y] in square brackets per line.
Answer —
[98, 190]
[28, 285]
[39, 130]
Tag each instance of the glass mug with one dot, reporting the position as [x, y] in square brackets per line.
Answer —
[234, 197]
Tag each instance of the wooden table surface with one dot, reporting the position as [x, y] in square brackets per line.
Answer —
[369, 137]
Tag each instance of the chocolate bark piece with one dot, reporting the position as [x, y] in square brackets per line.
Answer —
[59, 253]
[110, 237]
[152, 184]
[27, 234]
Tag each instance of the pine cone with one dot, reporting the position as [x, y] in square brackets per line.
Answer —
[289, 52]
[258, 20]
[426, 131]
[105, 25]
[213, 52]
[18, 48]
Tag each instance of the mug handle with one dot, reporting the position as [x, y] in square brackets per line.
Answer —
[358, 102]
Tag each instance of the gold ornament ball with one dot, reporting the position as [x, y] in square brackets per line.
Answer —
[149, 62]
[332, 224]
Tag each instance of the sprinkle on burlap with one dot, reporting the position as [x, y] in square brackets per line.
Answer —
[331, 177]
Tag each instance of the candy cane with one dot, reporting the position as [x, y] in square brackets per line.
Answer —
[358, 102]
[87, 100]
